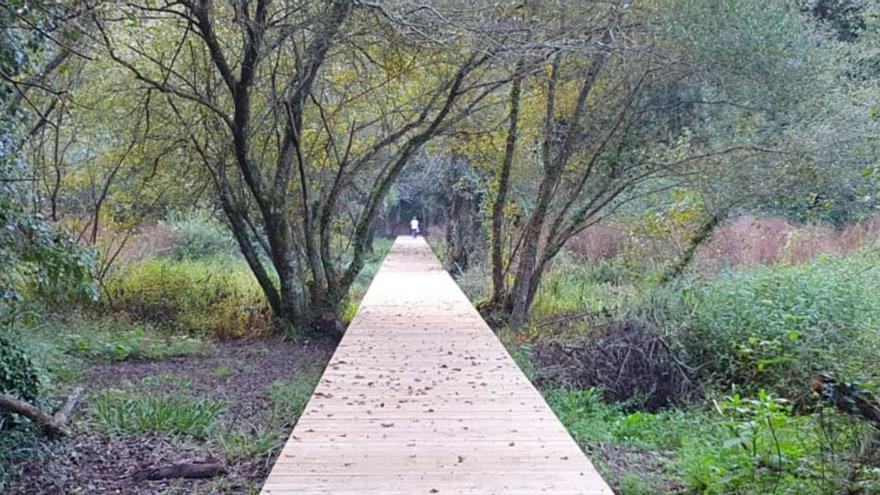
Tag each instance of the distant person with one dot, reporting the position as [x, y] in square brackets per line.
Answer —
[414, 227]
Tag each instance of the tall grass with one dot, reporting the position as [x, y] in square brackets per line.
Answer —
[575, 285]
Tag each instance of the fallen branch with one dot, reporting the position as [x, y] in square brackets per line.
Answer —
[198, 469]
[54, 425]
[848, 397]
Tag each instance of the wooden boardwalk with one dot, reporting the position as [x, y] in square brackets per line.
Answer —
[421, 397]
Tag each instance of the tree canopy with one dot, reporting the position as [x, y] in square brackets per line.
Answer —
[295, 120]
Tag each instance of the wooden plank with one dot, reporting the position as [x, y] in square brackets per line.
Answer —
[421, 397]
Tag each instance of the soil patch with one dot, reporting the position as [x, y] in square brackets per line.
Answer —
[617, 462]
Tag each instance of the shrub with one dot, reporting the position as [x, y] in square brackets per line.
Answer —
[772, 327]
[201, 236]
[205, 297]
[18, 375]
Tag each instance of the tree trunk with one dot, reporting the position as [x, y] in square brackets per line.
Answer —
[528, 257]
[702, 235]
[500, 204]
[556, 152]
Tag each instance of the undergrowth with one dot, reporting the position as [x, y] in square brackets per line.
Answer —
[157, 413]
[218, 297]
[750, 340]
[741, 446]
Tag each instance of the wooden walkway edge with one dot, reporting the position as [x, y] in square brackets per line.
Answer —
[420, 397]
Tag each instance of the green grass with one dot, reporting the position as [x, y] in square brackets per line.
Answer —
[138, 342]
[640, 484]
[222, 371]
[61, 346]
[173, 414]
[288, 398]
[166, 381]
[247, 443]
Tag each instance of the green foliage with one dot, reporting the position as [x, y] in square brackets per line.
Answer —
[174, 414]
[763, 443]
[18, 375]
[39, 260]
[60, 345]
[288, 398]
[111, 340]
[772, 327]
[746, 446]
[200, 236]
[214, 297]
[764, 448]
[575, 286]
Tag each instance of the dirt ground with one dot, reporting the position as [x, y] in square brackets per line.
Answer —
[94, 461]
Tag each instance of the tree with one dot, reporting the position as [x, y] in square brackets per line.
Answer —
[37, 39]
[630, 110]
[304, 114]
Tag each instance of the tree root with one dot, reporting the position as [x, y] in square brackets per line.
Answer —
[197, 469]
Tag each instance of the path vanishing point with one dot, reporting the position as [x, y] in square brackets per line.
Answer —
[420, 397]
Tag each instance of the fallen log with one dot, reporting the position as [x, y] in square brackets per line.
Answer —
[848, 397]
[198, 469]
[55, 424]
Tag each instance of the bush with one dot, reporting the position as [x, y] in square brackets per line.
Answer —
[18, 376]
[216, 297]
[201, 236]
[773, 327]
